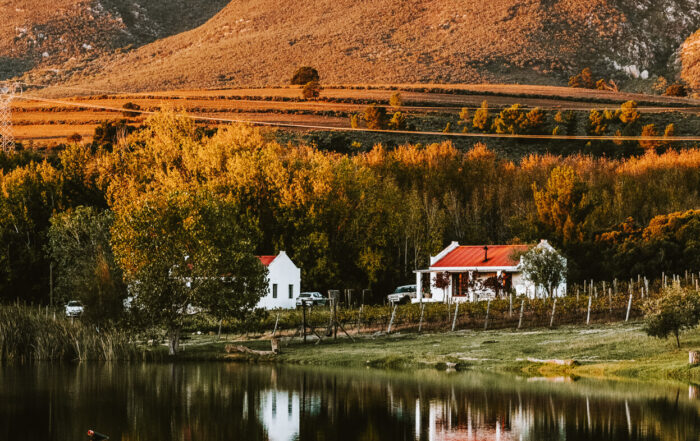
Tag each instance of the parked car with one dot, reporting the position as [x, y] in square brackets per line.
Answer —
[402, 294]
[311, 298]
[74, 309]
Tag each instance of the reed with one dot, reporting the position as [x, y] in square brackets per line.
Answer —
[28, 334]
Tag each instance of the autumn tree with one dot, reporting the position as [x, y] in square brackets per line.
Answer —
[482, 119]
[563, 204]
[311, 90]
[584, 79]
[649, 130]
[375, 117]
[566, 123]
[396, 100]
[398, 121]
[516, 120]
[677, 90]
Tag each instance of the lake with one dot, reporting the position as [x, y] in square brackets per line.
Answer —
[219, 401]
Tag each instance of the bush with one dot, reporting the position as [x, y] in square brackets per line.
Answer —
[516, 120]
[304, 75]
[129, 107]
[398, 121]
[375, 117]
[482, 118]
[396, 100]
[677, 310]
[312, 89]
[75, 138]
[583, 80]
[678, 90]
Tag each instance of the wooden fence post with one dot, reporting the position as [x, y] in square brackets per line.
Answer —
[420, 322]
[391, 321]
[488, 309]
[629, 306]
[694, 358]
[273, 331]
[359, 318]
[554, 307]
[454, 319]
[588, 316]
[510, 305]
[522, 310]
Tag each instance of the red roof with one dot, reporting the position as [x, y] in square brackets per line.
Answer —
[266, 260]
[473, 255]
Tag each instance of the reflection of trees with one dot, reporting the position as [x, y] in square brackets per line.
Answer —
[225, 401]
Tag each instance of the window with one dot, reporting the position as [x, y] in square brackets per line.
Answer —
[274, 290]
[291, 291]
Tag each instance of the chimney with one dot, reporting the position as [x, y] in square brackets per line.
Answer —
[486, 253]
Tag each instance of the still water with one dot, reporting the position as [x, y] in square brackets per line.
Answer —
[216, 401]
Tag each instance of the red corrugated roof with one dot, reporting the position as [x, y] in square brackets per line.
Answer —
[473, 255]
[266, 260]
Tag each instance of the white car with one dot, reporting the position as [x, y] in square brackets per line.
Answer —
[311, 299]
[74, 309]
[403, 294]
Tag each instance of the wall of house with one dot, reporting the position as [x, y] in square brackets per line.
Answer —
[283, 273]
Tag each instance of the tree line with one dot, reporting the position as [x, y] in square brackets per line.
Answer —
[171, 197]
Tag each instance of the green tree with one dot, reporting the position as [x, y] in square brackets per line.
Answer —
[85, 269]
[676, 311]
[182, 251]
[304, 75]
[312, 89]
[375, 117]
[544, 267]
[482, 119]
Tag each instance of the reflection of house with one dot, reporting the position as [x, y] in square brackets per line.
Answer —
[284, 282]
[470, 273]
[279, 413]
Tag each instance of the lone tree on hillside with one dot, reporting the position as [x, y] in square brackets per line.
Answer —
[676, 311]
[304, 75]
[545, 268]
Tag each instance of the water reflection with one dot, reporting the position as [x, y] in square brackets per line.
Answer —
[211, 402]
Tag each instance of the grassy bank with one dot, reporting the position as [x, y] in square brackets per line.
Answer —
[603, 351]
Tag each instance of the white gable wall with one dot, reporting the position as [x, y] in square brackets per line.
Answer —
[283, 273]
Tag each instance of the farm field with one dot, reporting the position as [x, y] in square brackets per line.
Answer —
[59, 112]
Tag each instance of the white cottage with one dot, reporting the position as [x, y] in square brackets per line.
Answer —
[284, 282]
[475, 272]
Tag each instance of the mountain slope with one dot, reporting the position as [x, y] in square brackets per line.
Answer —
[261, 42]
[34, 34]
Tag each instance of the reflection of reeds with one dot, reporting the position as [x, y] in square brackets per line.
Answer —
[28, 335]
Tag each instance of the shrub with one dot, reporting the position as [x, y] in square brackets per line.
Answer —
[583, 80]
[628, 113]
[649, 130]
[312, 89]
[129, 107]
[398, 121]
[678, 90]
[516, 120]
[304, 75]
[75, 138]
[355, 120]
[396, 100]
[482, 118]
[677, 310]
[375, 117]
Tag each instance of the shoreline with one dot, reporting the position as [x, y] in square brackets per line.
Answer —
[606, 352]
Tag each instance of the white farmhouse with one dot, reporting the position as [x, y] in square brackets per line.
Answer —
[284, 282]
[473, 271]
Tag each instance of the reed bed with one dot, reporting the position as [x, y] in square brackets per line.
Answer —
[28, 334]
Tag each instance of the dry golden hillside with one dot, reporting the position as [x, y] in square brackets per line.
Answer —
[62, 34]
[261, 42]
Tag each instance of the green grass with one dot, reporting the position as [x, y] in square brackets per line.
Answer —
[604, 351]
